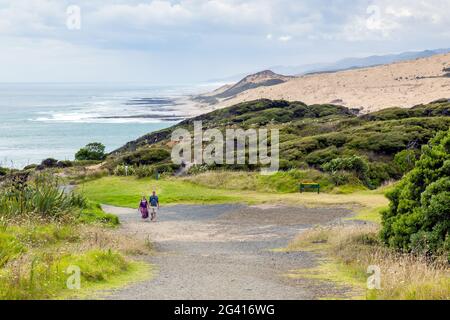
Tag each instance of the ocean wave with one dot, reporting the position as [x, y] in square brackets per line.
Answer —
[134, 110]
[99, 120]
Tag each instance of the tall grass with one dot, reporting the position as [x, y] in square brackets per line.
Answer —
[34, 258]
[44, 276]
[403, 275]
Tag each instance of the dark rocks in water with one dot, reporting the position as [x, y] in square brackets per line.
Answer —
[150, 101]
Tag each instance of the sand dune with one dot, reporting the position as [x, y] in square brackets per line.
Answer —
[402, 84]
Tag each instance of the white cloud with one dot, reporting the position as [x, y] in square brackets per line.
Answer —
[155, 13]
[387, 19]
[311, 20]
[30, 17]
[205, 33]
[285, 38]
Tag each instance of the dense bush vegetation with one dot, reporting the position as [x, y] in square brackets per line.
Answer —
[418, 218]
[312, 136]
[143, 163]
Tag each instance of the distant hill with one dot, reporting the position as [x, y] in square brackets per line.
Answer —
[343, 64]
[264, 78]
[400, 84]
[355, 63]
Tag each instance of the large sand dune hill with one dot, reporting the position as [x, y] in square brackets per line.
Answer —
[402, 84]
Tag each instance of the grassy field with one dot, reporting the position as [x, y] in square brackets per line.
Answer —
[127, 191]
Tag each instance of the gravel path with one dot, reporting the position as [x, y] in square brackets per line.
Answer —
[223, 251]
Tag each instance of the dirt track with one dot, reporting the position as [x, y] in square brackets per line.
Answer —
[223, 252]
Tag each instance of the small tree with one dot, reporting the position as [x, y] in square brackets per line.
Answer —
[92, 151]
[418, 218]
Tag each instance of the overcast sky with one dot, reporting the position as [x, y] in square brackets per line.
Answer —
[184, 41]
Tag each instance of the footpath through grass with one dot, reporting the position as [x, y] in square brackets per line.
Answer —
[346, 251]
[127, 192]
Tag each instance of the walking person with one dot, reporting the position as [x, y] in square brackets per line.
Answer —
[143, 208]
[154, 204]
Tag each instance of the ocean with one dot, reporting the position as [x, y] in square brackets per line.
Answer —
[39, 121]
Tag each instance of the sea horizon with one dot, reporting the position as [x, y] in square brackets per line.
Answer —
[54, 120]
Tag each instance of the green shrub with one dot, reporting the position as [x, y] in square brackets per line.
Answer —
[123, 170]
[3, 171]
[418, 218]
[144, 171]
[341, 178]
[92, 151]
[406, 159]
[353, 164]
